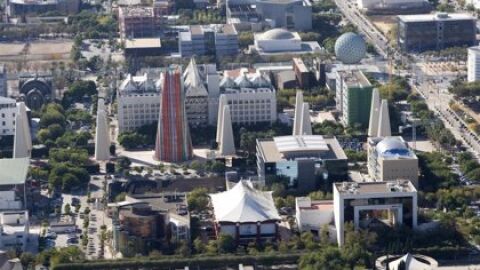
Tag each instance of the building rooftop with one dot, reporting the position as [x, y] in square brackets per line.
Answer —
[278, 34]
[13, 171]
[136, 12]
[298, 62]
[354, 188]
[440, 16]
[354, 78]
[244, 203]
[142, 43]
[281, 148]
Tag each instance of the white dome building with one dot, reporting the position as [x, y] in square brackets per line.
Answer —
[278, 40]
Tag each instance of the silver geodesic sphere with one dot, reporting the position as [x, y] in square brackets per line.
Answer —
[350, 48]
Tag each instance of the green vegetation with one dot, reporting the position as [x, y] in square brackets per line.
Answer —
[198, 199]
[436, 172]
[54, 257]
[190, 17]
[328, 128]
[461, 88]
[317, 98]
[431, 125]
[469, 166]
[77, 91]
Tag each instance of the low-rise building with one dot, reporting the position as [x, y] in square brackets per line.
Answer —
[245, 213]
[365, 204]
[13, 174]
[14, 230]
[143, 47]
[291, 14]
[308, 161]
[418, 33]
[138, 102]
[144, 222]
[390, 158]
[18, 8]
[8, 110]
[312, 216]
[353, 97]
[473, 64]
[139, 22]
[219, 40]
[281, 41]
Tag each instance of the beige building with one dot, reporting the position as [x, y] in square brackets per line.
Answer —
[389, 158]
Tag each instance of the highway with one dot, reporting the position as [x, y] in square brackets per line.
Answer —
[436, 95]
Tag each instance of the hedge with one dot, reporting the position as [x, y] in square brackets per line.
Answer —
[200, 262]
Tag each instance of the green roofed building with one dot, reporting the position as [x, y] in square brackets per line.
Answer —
[353, 97]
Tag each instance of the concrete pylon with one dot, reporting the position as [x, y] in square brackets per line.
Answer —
[22, 146]
[226, 144]
[374, 114]
[306, 124]
[297, 120]
[384, 128]
[222, 101]
[102, 139]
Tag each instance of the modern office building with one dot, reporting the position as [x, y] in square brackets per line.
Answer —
[145, 222]
[308, 161]
[290, 14]
[417, 33]
[281, 41]
[250, 96]
[219, 40]
[138, 102]
[391, 6]
[139, 22]
[245, 213]
[353, 97]
[369, 203]
[173, 142]
[473, 64]
[17, 8]
[390, 158]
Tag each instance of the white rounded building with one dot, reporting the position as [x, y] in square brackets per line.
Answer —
[278, 40]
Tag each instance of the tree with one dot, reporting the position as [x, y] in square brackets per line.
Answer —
[327, 258]
[226, 243]
[198, 199]
[27, 260]
[183, 249]
[67, 209]
[199, 245]
[123, 163]
[77, 91]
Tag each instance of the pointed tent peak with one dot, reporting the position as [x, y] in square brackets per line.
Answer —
[193, 82]
[227, 82]
[384, 128]
[297, 120]
[306, 124]
[374, 113]
[226, 142]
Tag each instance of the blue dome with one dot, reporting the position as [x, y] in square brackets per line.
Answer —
[350, 48]
[392, 146]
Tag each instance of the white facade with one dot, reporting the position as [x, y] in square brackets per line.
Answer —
[390, 158]
[14, 230]
[278, 40]
[473, 64]
[252, 106]
[399, 199]
[312, 215]
[8, 110]
[138, 102]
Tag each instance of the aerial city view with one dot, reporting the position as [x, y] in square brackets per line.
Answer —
[239, 134]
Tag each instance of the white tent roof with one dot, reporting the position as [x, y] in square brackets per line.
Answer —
[243, 203]
[410, 263]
